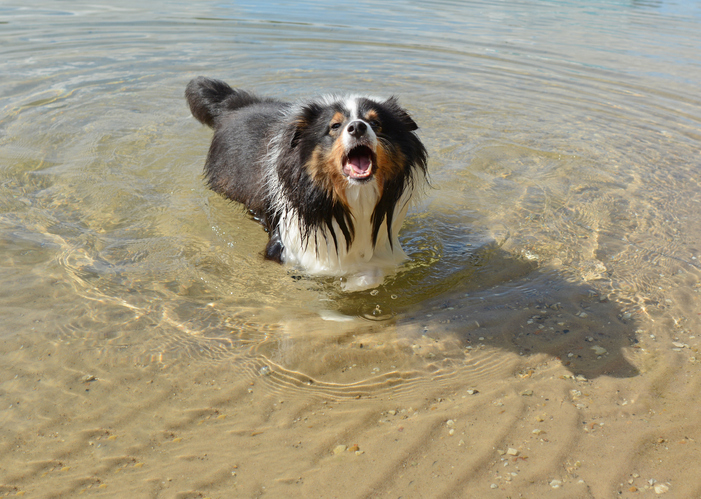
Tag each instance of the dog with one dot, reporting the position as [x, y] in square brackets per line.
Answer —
[330, 178]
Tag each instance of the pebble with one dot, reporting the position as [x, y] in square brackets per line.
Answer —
[354, 448]
[661, 488]
[538, 432]
[527, 393]
[556, 484]
[392, 412]
[472, 392]
[494, 486]
[679, 345]
[264, 371]
[88, 378]
[450, 423]
[598, 350]
[512, 452]
[339, 449]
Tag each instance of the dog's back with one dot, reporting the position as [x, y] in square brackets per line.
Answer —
[242, 125]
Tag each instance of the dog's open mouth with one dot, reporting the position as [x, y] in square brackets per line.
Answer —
[359, 162]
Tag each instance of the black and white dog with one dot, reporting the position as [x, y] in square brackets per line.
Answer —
[330, 178]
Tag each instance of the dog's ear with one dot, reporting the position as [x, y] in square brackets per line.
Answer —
[303, 122]
[393, 104]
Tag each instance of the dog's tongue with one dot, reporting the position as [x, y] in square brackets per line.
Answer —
[360, 162]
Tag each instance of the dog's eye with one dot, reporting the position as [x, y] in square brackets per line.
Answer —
[335, 126]
[374, 123]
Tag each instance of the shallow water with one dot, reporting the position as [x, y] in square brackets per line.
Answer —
[564, 144]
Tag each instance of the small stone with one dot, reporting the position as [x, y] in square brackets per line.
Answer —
[450, 423]
[88, 378]
[582, 314]
[494, 486]
[598, 350]
[512, 452]
[392, 412]
[661, 488]
[472, 392]
[359, 452]
[679, 345]
[451, 432]
[264, 371]
[556, 484]
[501, 452]
[538, 432]
[354, 448]
[339, 449]
[527, 393]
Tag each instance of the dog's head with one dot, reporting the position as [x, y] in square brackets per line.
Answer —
[343, 141]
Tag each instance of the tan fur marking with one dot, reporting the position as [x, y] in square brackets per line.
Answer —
[334, 165]
[325, 170]
[371, 115]
[337, 118]
[390, 163]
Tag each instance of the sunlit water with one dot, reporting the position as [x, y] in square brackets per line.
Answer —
[565, 172]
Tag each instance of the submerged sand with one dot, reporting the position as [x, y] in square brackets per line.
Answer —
[573, 395]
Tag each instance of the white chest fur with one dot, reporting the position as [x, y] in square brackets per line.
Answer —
[364, 264]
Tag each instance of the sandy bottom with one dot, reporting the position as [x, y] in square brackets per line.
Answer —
[531, 398]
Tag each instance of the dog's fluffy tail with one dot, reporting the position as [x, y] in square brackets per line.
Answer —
[209, 99]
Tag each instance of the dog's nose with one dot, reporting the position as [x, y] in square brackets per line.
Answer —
[357, 128]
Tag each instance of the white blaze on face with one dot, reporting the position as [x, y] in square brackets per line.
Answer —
[369, 139]
[359, 148]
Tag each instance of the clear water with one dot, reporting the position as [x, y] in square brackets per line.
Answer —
[563, 140]
[564, 143]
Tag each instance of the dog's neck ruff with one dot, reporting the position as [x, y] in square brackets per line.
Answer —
[326, 253]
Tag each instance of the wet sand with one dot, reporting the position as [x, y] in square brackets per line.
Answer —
[528, 398]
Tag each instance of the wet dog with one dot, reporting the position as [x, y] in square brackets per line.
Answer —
[330, 178]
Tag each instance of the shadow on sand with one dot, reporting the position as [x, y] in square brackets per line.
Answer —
[498, 299]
